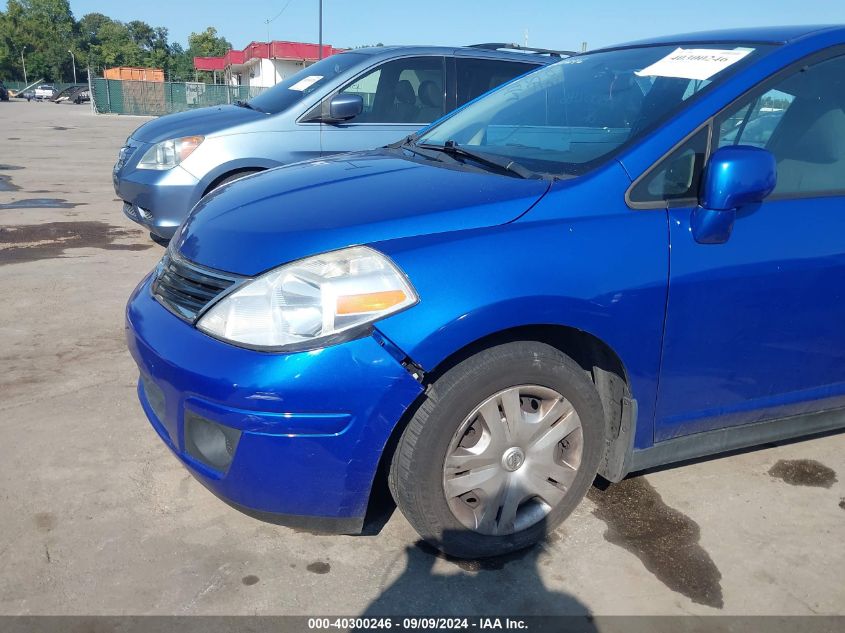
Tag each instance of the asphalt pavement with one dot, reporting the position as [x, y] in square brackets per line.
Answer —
[96, 516]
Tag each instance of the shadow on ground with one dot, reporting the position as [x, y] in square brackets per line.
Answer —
[502, 586]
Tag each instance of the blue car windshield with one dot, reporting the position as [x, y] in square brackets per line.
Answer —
[291, 90]
[566, 118]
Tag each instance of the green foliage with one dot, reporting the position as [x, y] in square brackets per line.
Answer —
[45, 30]
[208, 44]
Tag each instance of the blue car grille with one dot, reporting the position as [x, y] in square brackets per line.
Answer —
[186, 289]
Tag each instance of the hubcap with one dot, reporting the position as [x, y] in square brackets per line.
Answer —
[512, 460]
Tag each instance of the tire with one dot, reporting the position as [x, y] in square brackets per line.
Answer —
[232, 178]
[541, 376]
[158, 239]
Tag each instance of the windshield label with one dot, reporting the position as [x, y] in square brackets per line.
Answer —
[304, 84]
[694, 63]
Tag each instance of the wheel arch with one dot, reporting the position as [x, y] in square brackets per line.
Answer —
[598, 359]
[215, 182]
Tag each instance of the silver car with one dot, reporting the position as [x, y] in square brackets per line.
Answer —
[356, 100]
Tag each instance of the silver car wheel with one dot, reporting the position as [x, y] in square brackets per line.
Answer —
[512, 460]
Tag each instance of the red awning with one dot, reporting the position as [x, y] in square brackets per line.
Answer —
[293, 51]
[209, 63]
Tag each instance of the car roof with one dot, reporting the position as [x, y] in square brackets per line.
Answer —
[767, 34]
[469, 51]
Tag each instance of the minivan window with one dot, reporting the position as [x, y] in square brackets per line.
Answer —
[801, 120]
[408, 90]
[676, 177]
[570, 116]
[477, 76]
[290, 91]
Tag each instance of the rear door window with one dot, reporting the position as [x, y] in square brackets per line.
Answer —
[477, 76]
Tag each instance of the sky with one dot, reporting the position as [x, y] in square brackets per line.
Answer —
[548, 23]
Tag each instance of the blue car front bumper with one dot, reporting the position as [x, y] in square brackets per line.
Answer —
[157, 200]
[309, 427]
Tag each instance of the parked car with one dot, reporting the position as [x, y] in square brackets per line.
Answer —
[580, 273]
[4, 92]
[44, 91]
[73, 94]
[351, 101]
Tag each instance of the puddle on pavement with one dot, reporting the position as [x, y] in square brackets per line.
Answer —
[250, 580]
[6, 184]
[494, 563]
[34, 242]
[665, 540]
[9, 167]
[319, 568]
[39, 203]
[803, 472]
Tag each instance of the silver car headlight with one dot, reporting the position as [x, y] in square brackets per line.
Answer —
[312, 302]
[168, 154]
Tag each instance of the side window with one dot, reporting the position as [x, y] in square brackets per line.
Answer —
[409, 90]
[676, 177]
[801, 120]
[365, 86]
[477, 76]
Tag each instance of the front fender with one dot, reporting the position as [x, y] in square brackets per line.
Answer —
[604, 275]
[228, 167]
[220, 155]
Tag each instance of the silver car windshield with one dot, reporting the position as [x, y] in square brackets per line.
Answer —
[568, 117]
[290, 91]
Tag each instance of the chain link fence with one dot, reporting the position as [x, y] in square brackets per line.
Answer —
[152, 98]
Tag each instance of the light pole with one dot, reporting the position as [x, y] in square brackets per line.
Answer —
[73, 59]
[320, 53]
[23, 63]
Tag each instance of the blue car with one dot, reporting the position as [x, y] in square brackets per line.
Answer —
[585, 272]
[356, 100]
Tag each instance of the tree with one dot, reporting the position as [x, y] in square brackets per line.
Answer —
[204, 44]
[208, 44]
[46, 29]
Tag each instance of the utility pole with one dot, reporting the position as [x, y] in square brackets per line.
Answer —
[23, 63]
[73, 59]
[320, 53]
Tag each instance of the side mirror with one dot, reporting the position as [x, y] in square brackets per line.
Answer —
[735, 176]
[738, 175]
[343, 107]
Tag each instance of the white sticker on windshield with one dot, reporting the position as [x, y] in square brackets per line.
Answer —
[694, 63]
[303, 84]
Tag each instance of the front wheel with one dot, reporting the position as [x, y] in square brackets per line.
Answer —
[503, 449]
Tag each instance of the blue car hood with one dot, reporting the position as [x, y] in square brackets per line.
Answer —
[263, 221]
[203, 121]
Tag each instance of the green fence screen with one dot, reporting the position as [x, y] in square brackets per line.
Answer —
[151, 98]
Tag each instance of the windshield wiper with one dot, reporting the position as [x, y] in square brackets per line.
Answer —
[453, 149]
[409, 145]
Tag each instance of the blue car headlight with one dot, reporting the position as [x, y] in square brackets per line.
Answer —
[312, 302]
[167, 154]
